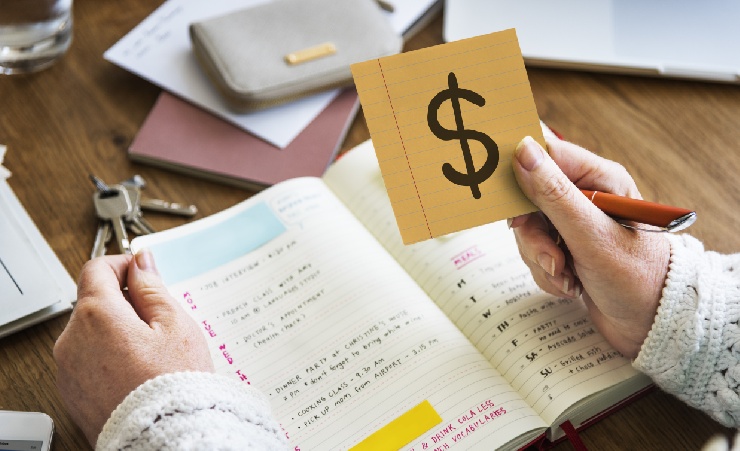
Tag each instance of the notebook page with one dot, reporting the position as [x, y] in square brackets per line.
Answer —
[445, 121]
[321, 319]
[546, 346]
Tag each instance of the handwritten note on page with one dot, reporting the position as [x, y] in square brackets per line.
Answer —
[546, 347]
[445, 121]
[301, 315]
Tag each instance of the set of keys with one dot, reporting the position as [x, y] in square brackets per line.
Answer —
[120, 209]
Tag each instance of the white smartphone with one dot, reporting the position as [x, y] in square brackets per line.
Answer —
[25, 431]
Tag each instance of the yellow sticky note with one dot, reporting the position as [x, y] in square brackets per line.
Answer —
[445, 121]
[402, 430]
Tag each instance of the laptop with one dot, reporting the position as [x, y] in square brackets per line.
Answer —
[689, 39]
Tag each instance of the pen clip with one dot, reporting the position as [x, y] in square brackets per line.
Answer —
[676, 225]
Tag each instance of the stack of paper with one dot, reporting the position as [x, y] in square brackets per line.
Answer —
[34, 284]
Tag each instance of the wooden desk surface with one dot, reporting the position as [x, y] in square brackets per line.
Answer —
[679, 139]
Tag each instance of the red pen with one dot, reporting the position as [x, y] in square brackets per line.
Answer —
[670, 219]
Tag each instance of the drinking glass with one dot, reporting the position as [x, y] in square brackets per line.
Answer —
[33, 33]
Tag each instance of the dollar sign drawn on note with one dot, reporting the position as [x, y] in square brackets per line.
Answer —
[472, 177]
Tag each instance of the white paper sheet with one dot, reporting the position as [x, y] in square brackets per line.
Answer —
[4, 173]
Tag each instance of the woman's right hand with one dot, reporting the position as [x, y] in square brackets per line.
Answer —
[573, 248]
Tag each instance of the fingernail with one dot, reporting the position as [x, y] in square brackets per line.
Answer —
[566, 284]
[145, 260]
[528, 153]
[578, 291]
[547, 263]
[509, 221]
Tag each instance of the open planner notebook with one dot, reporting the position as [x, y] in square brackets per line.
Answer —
[306, 291]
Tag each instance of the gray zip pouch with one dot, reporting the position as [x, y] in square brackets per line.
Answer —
[286, 49]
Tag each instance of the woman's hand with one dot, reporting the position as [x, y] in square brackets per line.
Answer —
[116, 339]
[573, 248]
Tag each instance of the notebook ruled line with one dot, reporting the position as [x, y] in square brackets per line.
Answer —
[445, 116]
[432, 193]
[484, 92]
[440, 221]
[461, 69]
[423, 136]
[442, 57]
[400, 137]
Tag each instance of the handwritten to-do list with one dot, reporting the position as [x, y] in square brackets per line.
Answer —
[347, 331]
[445, 121]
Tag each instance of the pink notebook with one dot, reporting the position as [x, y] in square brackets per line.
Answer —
[179, 136]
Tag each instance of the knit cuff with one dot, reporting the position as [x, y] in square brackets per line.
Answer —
[691, 349]
[195, 411]
[672, 337]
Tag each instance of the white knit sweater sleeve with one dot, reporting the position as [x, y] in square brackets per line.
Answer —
[192, 411]
[693, 349]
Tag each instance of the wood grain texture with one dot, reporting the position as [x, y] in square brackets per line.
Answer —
[678, 139]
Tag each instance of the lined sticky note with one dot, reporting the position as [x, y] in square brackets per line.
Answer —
[444, 122]
[402, 430]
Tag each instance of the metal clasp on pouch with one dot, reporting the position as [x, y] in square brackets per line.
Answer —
[311, 53]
